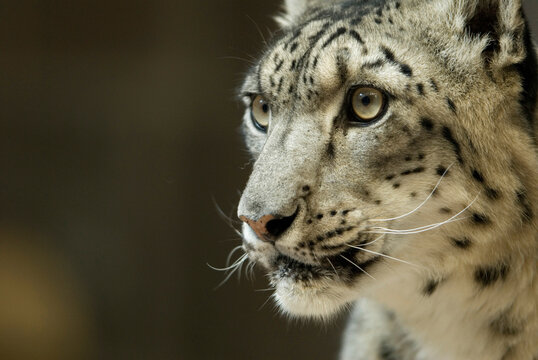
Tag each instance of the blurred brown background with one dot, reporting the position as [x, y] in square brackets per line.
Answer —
[118, 134]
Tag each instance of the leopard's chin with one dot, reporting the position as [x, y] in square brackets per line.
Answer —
[314, 291]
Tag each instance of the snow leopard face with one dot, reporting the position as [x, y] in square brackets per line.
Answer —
[387, 137]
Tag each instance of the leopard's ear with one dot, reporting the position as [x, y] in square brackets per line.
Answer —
[501, 23]
[294, 9]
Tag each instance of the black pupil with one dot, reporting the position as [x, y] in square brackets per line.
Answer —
[265, 108]
[366, 100]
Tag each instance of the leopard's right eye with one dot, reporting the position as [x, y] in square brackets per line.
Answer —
[260, 111]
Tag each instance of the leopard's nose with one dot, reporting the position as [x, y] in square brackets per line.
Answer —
[270, 227]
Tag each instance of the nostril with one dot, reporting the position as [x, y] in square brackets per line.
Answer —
[278, 226]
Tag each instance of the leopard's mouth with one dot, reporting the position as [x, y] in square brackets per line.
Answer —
[343, 267]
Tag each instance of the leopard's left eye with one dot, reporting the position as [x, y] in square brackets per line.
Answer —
[366, 104]
[260, 112]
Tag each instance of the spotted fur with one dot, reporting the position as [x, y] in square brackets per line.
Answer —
[423, 219]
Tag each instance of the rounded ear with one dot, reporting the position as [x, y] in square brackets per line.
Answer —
[294, 9]
[501, 22]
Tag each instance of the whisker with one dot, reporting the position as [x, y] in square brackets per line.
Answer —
[235, 264]
[231, 254]
[230, 273]
[263, 290]
[265, 302]
[335, 272]
[422, 204]
[371, 242]
[248, 61]
[431, 226]
[414, 231]
[380, 254]
[357, 266]
[259, 30]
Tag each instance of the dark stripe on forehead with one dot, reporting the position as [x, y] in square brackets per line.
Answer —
[355, 35]
[404, 68]
[339, 32]
[341, 65]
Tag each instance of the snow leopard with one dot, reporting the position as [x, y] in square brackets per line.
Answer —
[395, 175]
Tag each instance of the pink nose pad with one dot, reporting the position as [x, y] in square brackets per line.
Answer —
[270, 227]
[260, 226]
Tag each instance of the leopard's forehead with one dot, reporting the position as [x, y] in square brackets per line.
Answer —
[334, 48]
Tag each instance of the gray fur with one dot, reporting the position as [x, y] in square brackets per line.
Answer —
[461, 105]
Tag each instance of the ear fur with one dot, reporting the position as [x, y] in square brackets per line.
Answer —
[294, 9]
[501, 22]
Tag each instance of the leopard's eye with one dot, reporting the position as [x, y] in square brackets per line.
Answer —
[366, 104]
[260, 112]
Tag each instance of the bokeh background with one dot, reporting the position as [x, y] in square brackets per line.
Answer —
[118, 137]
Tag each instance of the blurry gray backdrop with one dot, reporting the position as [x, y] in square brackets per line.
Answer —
[118, 135]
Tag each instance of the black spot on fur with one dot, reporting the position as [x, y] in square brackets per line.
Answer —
[404, 68]
[333, 212]
[279, 88]
[293, 47]
[488, 275]
[447, 134]
[396, 185]
[319, 216]
[480, 219]
[387, 351]
[462, 243]
[441, 170]
[378, 202]
[413, 171]
[526, 208]
[430, 287]
[389, 177]
[478, 176]
[279, 65]
[434, 85]
[451, 105]
[306, 188]
[492, 193]
[413, 194]
[426, 124]
[420, 88]
[373, 65]
[505, 325]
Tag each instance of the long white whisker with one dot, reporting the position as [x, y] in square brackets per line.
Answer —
[231, 254]
[235, 264]
[265, 302]
[357, 266]
[424, 202]
[335, 272]
[383, 255]
[419, 229]
[230, 273]
[431, 226]
[371, 242]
